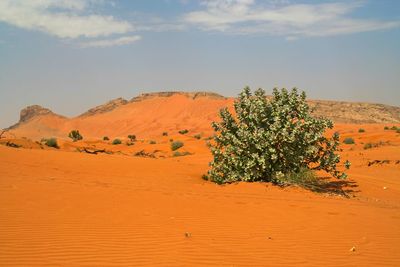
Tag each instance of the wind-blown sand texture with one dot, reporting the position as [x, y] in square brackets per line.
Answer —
[65, 208]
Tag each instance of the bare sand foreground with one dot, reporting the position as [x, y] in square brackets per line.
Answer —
[63, 208]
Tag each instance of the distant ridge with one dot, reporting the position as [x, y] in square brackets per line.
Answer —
[192, 95]
[109, 106]
[150, 114]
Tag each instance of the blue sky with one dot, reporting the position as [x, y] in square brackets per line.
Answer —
[70, 55]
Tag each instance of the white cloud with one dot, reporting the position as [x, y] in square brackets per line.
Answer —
[283, 18]
[61, 18]
[111, 42]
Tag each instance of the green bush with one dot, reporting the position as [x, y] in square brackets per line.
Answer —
[152, 142]
[52, 142]
[267, 140]
[393, 128]
[105, 138]
[116, 141]
[185, 131]
[349, 141]
[176, 145]
[132, 137]
[361, 130]
[197, 136]
[75, 135]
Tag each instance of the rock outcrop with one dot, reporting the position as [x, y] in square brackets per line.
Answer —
[109, 106]
[192, 95]
[32, 111]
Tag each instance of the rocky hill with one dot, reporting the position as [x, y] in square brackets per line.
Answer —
[153, 113]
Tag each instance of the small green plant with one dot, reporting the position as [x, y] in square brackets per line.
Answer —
[132, 137]
[165, 134]
[361, 130]
[204, 177]
[116, 141]
[197, 136]
[75, 135]
[369, 145]
[185, 131]
[52, 142]
[105, 138]
[348, 141]
[176, 145]
[152, 142]
[181, 154]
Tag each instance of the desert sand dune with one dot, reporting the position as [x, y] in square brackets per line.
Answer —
[63, 208]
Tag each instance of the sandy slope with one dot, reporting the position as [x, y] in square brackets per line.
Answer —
[63, 208]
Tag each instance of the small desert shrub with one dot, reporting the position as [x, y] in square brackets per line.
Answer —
[105, 138]
[116, 141]
[165, 134]
[197, 136]
[171, 140]
[132, 137]
[181, 154]
[372, 145]
[185, 131]
[398, 130]
[361, 130]
[270, 139]
[204, 177]
[52, 142]
[14, 145]
[349, 141]
[393, 128]
[176, 145]
[75, 135]
[386, 128]
[152, 142]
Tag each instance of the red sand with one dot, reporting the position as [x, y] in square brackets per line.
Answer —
[63, 208]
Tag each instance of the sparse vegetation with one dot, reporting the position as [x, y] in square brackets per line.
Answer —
[14, 145]
[348, 141]
[132, 137]
[51, 142]
[165, 134]
[386, 128]
[270, 140]
[105, 138]
[75, 135]
[185, 131]
[372, 145]
[181, 154]
[361, 130]
[197, 136]
[393, 128]
[176, 145]
[116, 141]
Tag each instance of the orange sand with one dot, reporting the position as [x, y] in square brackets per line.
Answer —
[64, 208]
